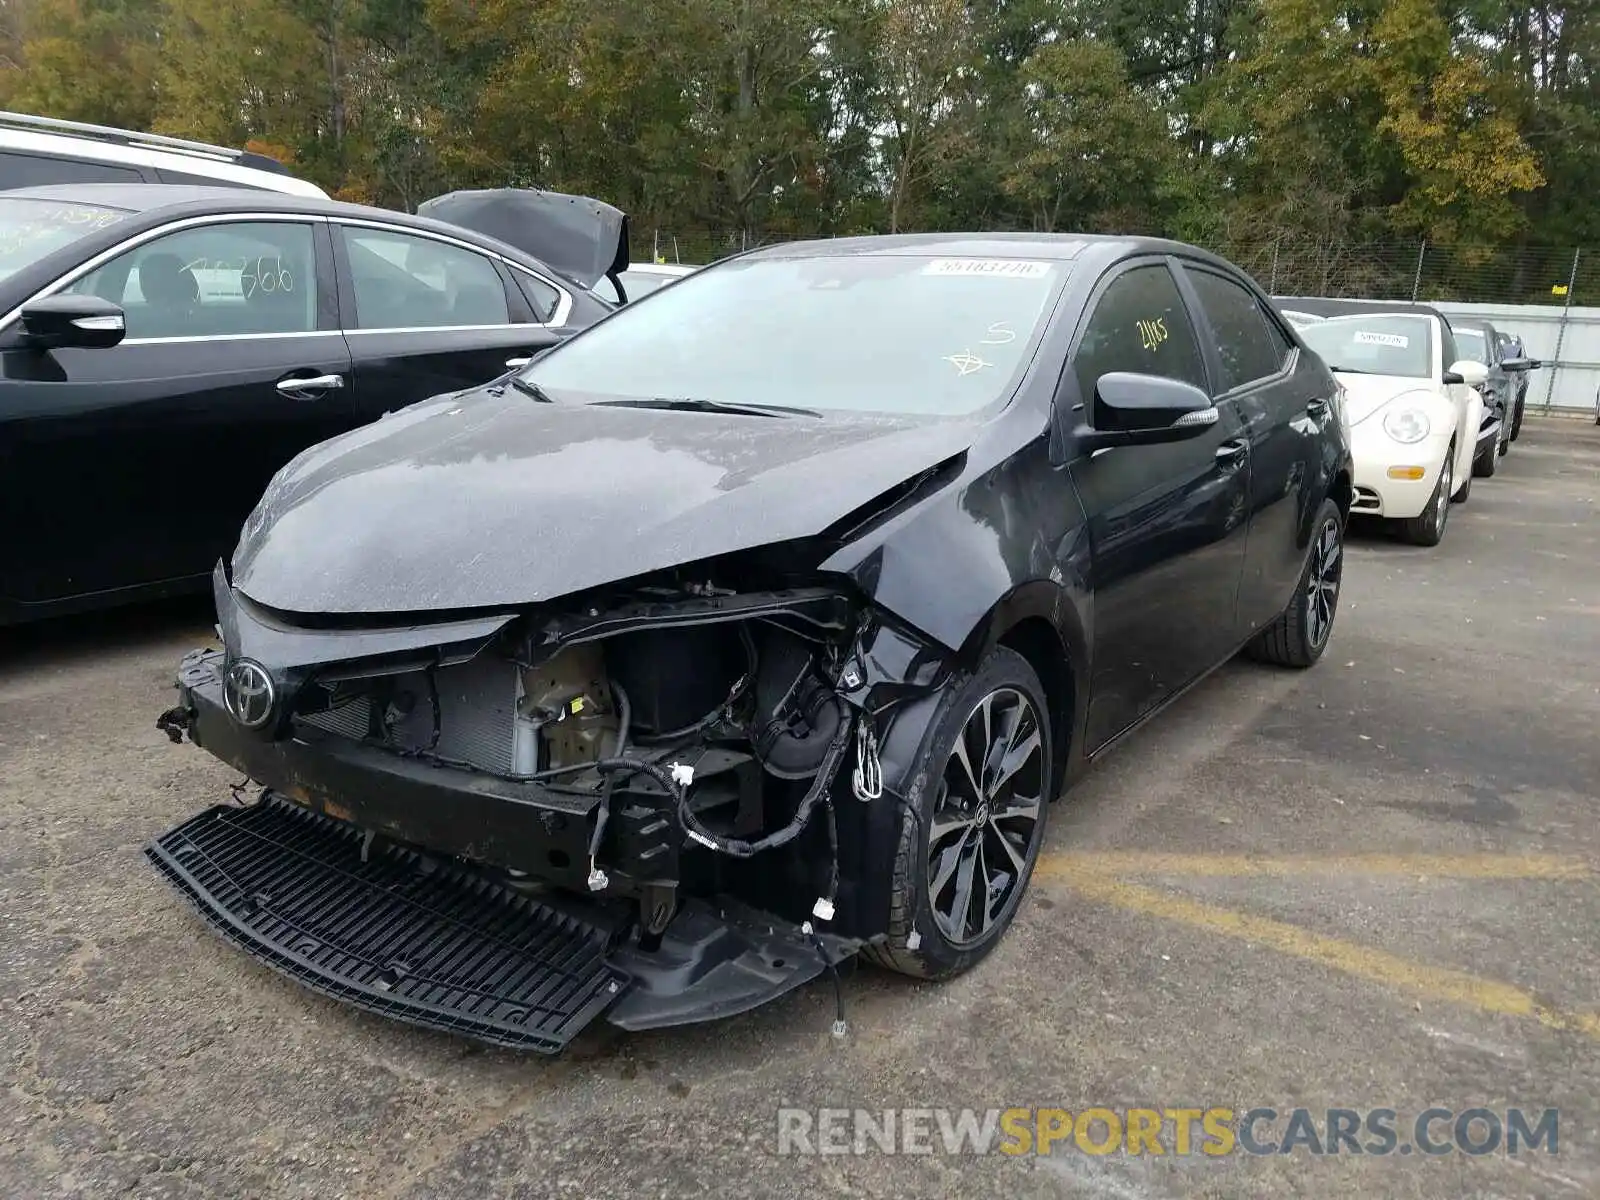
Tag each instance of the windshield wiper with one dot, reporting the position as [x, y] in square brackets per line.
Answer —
[528, 388]
[701, 404]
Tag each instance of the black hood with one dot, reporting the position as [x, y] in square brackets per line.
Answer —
[584, 239]
[483, 500]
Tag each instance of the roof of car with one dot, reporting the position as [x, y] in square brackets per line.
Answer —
[1326, 306]
[650, 268]
[1063, 247]
[149, 197]
[1478, 323]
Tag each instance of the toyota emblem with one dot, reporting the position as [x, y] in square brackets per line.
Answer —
[249, 693]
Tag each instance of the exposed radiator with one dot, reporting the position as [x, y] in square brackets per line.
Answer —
[477, 714]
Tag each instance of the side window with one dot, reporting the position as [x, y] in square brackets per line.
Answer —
[406, 282]
[1141, 325]
[543, 298]
[37, 170]
[166, 176]
[224, 280]
[1247, 342]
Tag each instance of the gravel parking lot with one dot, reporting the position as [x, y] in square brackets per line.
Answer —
[1367, 886]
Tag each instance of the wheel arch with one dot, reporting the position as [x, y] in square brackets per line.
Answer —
[1342, 492]
[1042, 622]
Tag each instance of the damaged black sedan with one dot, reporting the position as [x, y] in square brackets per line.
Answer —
[753, 628]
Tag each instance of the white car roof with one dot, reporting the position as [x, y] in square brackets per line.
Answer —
[195, 159]
[661, 269]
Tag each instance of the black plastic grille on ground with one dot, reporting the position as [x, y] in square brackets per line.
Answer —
[435, 947]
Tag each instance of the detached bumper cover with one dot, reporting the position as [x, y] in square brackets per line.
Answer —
[385, 932]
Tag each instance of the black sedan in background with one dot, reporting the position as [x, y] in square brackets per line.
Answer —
[1511, 347]
[165, 349]
[1480, 341]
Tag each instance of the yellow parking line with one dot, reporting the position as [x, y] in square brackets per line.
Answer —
[1427, 982]
[1438, 866]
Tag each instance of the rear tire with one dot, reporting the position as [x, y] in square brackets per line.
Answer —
[963, 828]
[1466, 488]
[1300, 633]
[1516, 422]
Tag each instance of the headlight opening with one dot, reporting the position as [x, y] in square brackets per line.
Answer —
[1406, 425]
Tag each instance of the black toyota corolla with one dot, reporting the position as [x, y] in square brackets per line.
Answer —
[752, 628]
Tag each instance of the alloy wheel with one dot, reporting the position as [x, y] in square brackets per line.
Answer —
[1441, 504]
[986, 818]
[1322, 587]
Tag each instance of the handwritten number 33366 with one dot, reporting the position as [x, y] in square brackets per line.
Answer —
[264, 274]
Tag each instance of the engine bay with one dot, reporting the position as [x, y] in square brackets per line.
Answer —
[694, 728]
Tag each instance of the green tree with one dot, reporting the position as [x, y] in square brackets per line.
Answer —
[1097, 149]
[83, 60]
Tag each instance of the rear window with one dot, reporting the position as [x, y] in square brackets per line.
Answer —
[31, 228]
[42, 170]
[167, 176]
[1374, 344]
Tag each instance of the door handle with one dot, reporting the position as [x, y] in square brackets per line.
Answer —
[300, 389]
[1231, 455]
[1318, 408]
[514, 363]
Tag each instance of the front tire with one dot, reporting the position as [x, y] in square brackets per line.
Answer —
[1487, 462]
[1427, 528]
[1516, 422]
[1300, 634]
[972, 821]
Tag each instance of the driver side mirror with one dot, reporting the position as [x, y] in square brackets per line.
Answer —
[1143, 410]
[1473, 374]
[1517, 363]
[84, 322]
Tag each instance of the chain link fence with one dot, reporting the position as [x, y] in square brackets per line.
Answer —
[1414, 270]
[1392, 270]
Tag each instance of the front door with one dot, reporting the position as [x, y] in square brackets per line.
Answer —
[136, 465]
[1167, 523]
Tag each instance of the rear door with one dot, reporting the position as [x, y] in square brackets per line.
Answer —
[1284, 412]
[1166, 522]
[136, 465]
[425, 314]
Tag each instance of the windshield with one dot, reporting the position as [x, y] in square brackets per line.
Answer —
[1375, 344]
[31, 228]
[1470, 343]
[887, 333]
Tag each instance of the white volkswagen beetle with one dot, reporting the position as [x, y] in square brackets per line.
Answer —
[1414, 414]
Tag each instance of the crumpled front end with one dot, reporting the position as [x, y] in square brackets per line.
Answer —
[659, 803]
